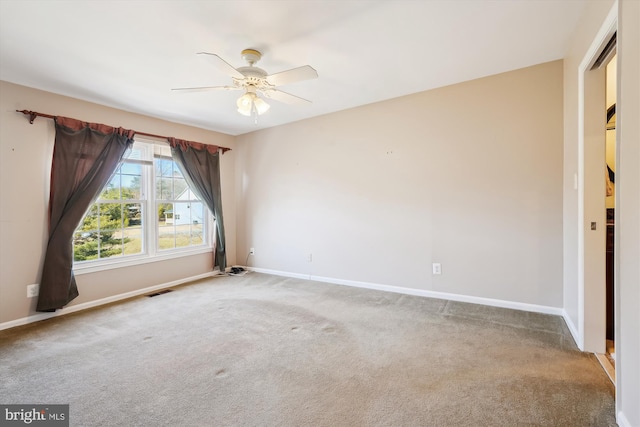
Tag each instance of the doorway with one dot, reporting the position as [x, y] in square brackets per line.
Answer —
[610, 204]
[591, 186]
[590, 328]
[598, 197]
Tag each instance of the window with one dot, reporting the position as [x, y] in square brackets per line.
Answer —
[145, 210]
[180, 212]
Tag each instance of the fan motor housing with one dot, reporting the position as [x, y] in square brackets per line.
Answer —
[254, 76]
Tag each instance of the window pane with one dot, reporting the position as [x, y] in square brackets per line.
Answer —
[181, 216]
[182, 213]
[180, 189]
[90, 221]
[112, 190]
[110, 216]
[197, 234]
[133, 214]
[197, 213]
[164, 188]
[165, 213]
[131, 179]
[183, 236]
[164, 167]
[85, 246]
[166, 237]
[110, 244]
[131, 188]
[192, 195]
[133, 240]
[115, 231]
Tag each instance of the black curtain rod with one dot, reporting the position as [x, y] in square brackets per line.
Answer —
[32, 116]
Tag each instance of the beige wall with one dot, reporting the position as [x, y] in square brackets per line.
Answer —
[25, 164]
[469, 176]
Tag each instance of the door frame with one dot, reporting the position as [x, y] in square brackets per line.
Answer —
[591, 193]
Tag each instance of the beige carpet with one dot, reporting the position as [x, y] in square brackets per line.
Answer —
[261, 350]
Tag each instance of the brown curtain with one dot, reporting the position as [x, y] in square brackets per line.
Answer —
[200, 166]
[85, 155]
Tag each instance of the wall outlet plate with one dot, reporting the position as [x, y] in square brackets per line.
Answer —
[437, 268]
[252, 251]
[33, 290]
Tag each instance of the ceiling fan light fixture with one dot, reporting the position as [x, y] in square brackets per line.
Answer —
[245, 103]
[261, 106]
[250, 101]
[254, 80]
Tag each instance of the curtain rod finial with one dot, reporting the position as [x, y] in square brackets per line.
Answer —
[31, 114]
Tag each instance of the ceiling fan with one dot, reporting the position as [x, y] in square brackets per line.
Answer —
[254, 80]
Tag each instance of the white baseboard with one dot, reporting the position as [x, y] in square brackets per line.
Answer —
[83, 306]
[419, 292]
[572, 329]
[622, 420]
[367, 285]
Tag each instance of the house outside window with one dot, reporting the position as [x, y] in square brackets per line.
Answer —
[146, 210]
[180, 213]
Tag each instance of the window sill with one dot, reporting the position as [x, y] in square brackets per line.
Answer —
[91, 267]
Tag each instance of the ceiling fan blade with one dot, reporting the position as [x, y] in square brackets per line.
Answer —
[305, 72]
[197, 89]
[221, 64]
[285, 97]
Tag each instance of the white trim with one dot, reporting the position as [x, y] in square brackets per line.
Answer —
[419, 292]
[83, 306]
[571, 326]
[129, 261]
[622, 420]
[605, 32]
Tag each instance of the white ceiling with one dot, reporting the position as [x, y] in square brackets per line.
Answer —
[129, 54]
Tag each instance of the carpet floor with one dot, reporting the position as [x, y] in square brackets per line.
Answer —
[261, 350]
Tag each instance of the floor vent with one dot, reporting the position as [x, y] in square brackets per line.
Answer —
[164, 291]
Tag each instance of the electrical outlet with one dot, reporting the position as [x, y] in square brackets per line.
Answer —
[437, 268]
[309, 257]
[252, 251]
[33, 290]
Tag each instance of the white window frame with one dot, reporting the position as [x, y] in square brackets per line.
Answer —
[151, 252]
